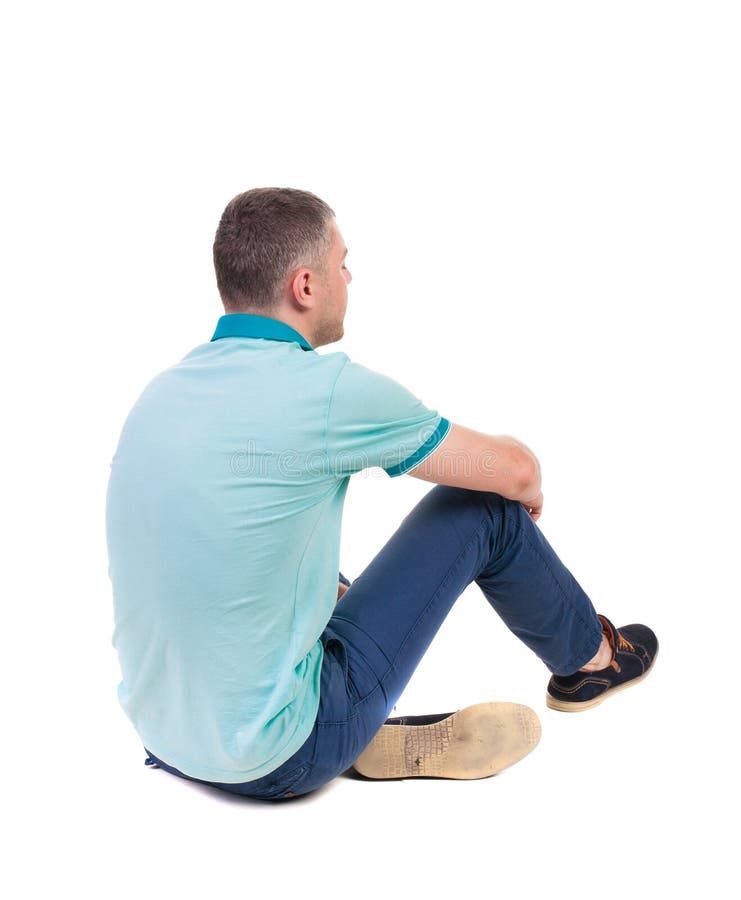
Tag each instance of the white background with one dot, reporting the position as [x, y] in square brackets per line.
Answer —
[541, 202]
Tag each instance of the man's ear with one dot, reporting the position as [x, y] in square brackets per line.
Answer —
[302, 287]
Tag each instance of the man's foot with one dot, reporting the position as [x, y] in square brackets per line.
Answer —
[634, 650]
[474, 742]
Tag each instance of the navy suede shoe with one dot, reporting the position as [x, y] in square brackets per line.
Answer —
[634, 649]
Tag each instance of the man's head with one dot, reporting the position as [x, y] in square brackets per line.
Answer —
[278, 252]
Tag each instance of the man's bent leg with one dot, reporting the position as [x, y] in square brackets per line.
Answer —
[388, 617]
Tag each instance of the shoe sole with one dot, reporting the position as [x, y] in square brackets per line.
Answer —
[474, 742]
[579, 706]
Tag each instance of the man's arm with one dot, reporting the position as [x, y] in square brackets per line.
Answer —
[471, 459]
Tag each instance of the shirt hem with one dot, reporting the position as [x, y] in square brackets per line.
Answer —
[216, 776]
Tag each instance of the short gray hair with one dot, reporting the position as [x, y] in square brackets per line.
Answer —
[264, 234]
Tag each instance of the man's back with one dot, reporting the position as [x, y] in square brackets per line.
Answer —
[224, 514]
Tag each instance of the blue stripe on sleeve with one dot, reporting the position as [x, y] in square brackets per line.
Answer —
[429, 445]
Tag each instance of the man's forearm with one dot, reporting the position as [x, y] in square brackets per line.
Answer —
[482, 462]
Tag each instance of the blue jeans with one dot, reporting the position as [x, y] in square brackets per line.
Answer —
[387, 618]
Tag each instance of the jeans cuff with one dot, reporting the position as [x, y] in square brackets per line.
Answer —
[582, 658]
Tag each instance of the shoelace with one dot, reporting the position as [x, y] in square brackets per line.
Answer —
[623, 644]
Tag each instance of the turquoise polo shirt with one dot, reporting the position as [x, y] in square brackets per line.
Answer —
[223, 518]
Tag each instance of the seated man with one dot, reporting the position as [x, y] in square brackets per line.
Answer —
[239, 667]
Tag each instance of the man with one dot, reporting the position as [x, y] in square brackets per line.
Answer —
[244, 664]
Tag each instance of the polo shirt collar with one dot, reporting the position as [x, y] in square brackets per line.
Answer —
[247, 325]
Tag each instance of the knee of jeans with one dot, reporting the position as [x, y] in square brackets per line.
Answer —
[514, 512]
[520, 514]
[515, 509]
[496, 504]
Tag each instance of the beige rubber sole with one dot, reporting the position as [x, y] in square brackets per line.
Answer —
[474, 742]
[565, 706]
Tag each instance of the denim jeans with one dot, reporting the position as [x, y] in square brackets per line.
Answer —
[387, 618]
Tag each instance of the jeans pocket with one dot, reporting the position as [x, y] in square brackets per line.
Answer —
[336, 648]
[284, 784]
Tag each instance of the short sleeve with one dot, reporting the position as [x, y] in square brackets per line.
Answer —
[375, 421]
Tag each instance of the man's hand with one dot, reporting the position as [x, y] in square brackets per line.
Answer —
[341, 589]
[534, 507]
